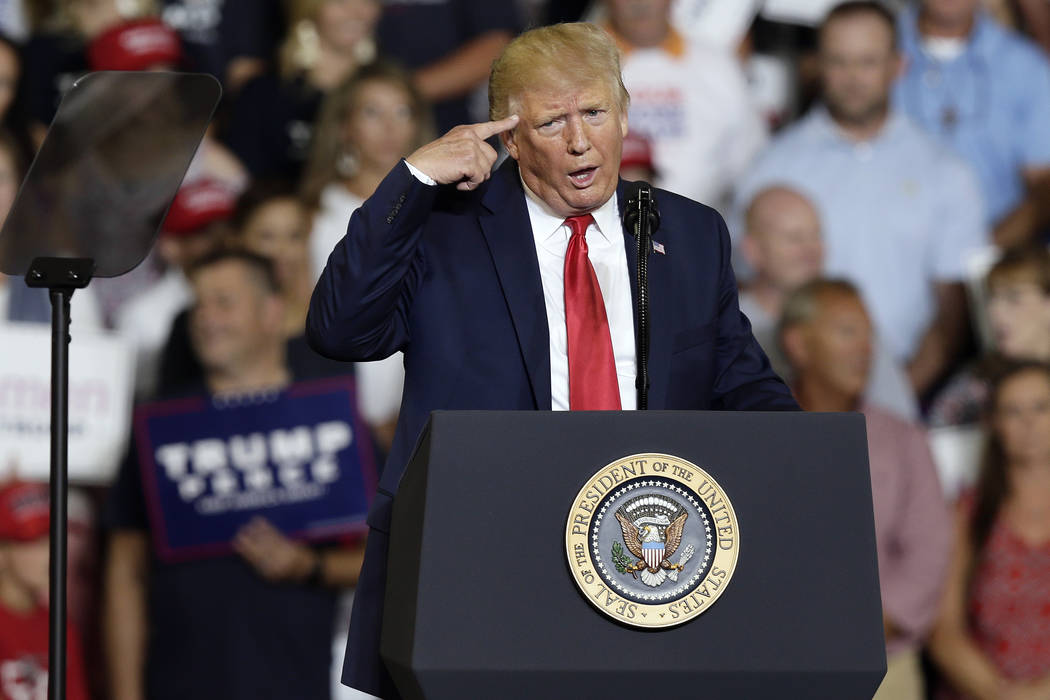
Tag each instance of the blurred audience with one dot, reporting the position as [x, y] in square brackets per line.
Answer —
[366, 126]
[254, 624]
[1035, 15]
[196, 222]
[899, 212]
[14, 20]
[983, 91]
[827, 337]
[271, 124]
[1018, 311]
[783, 246]
[13, 116]
[688, 99]
[24, 523]
[231, 39]
[992, 635]
[452, 46]
[56, 53]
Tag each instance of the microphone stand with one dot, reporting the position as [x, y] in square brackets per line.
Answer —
[641, 219]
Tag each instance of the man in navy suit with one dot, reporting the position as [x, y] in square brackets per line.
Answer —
[487, 281]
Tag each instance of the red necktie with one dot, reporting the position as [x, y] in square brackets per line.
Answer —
[592, 368]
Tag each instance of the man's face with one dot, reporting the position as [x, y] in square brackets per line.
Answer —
[783, 242]
[836, 345]
[568, 145]
[233, 319]
[950, 12]
[641, 22]
[858, 64]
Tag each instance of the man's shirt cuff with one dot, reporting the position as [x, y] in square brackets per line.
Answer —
[420, 175]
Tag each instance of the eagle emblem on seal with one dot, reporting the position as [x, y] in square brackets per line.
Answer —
[652, 530]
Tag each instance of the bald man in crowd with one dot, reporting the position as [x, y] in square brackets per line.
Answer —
[784, 246]
[513, 289]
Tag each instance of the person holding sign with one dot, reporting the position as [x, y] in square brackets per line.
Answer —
[472, 274]
[186, 613]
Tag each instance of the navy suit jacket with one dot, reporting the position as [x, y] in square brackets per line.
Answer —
[453, 280]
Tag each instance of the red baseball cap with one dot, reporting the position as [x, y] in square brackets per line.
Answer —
[135, 45]
[637, 153]
[24, 511]
[198, 204]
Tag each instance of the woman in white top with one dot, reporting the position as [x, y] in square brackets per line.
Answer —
[367, 125]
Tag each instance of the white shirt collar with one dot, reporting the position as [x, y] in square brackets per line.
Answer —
[546, 224]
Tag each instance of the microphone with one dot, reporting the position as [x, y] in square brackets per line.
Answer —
[640, 206]
[641, 218]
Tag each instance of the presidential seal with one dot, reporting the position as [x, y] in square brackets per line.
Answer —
[652, 540]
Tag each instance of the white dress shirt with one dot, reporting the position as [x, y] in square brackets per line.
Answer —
[605, 249]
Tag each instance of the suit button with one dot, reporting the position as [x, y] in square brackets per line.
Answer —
[389, 220]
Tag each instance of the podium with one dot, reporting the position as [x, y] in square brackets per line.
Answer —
[481, 598]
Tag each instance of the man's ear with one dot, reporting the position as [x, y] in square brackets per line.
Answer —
[510, 141]
[623, 124]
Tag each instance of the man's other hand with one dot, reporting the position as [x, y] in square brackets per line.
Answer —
[462, 156]
[274, 556]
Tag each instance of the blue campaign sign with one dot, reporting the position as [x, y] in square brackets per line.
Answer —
[301, 458]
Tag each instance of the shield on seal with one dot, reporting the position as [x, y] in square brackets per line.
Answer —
[653, 552]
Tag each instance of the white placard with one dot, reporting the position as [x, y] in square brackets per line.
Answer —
[957, 452]
[101, 369]
[723, 23]
[805, 12]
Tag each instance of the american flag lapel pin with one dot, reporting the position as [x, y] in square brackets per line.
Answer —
[659, 248]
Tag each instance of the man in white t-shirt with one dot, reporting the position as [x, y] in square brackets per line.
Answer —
[688, 99]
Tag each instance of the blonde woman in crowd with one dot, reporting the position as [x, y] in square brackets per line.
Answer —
[992, 638]
[366, 126]
[272, 122]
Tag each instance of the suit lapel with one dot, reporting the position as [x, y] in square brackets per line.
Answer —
[506, 226]
[659, 310]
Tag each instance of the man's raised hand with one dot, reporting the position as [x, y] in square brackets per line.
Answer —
[461, 156]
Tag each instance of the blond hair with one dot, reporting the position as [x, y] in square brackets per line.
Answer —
[300, 49]
[562, 54]
[60, 15]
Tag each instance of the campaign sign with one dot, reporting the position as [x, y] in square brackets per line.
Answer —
[101, 367]
[301, 458]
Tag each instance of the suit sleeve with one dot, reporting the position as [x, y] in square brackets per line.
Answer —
[360, 307]
[744, 379]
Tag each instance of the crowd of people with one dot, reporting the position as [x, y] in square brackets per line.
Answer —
[887, 189]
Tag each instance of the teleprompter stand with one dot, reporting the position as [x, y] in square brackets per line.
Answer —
[91, 206]
[481, 601]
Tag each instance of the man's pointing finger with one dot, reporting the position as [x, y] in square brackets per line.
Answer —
[490, 129]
